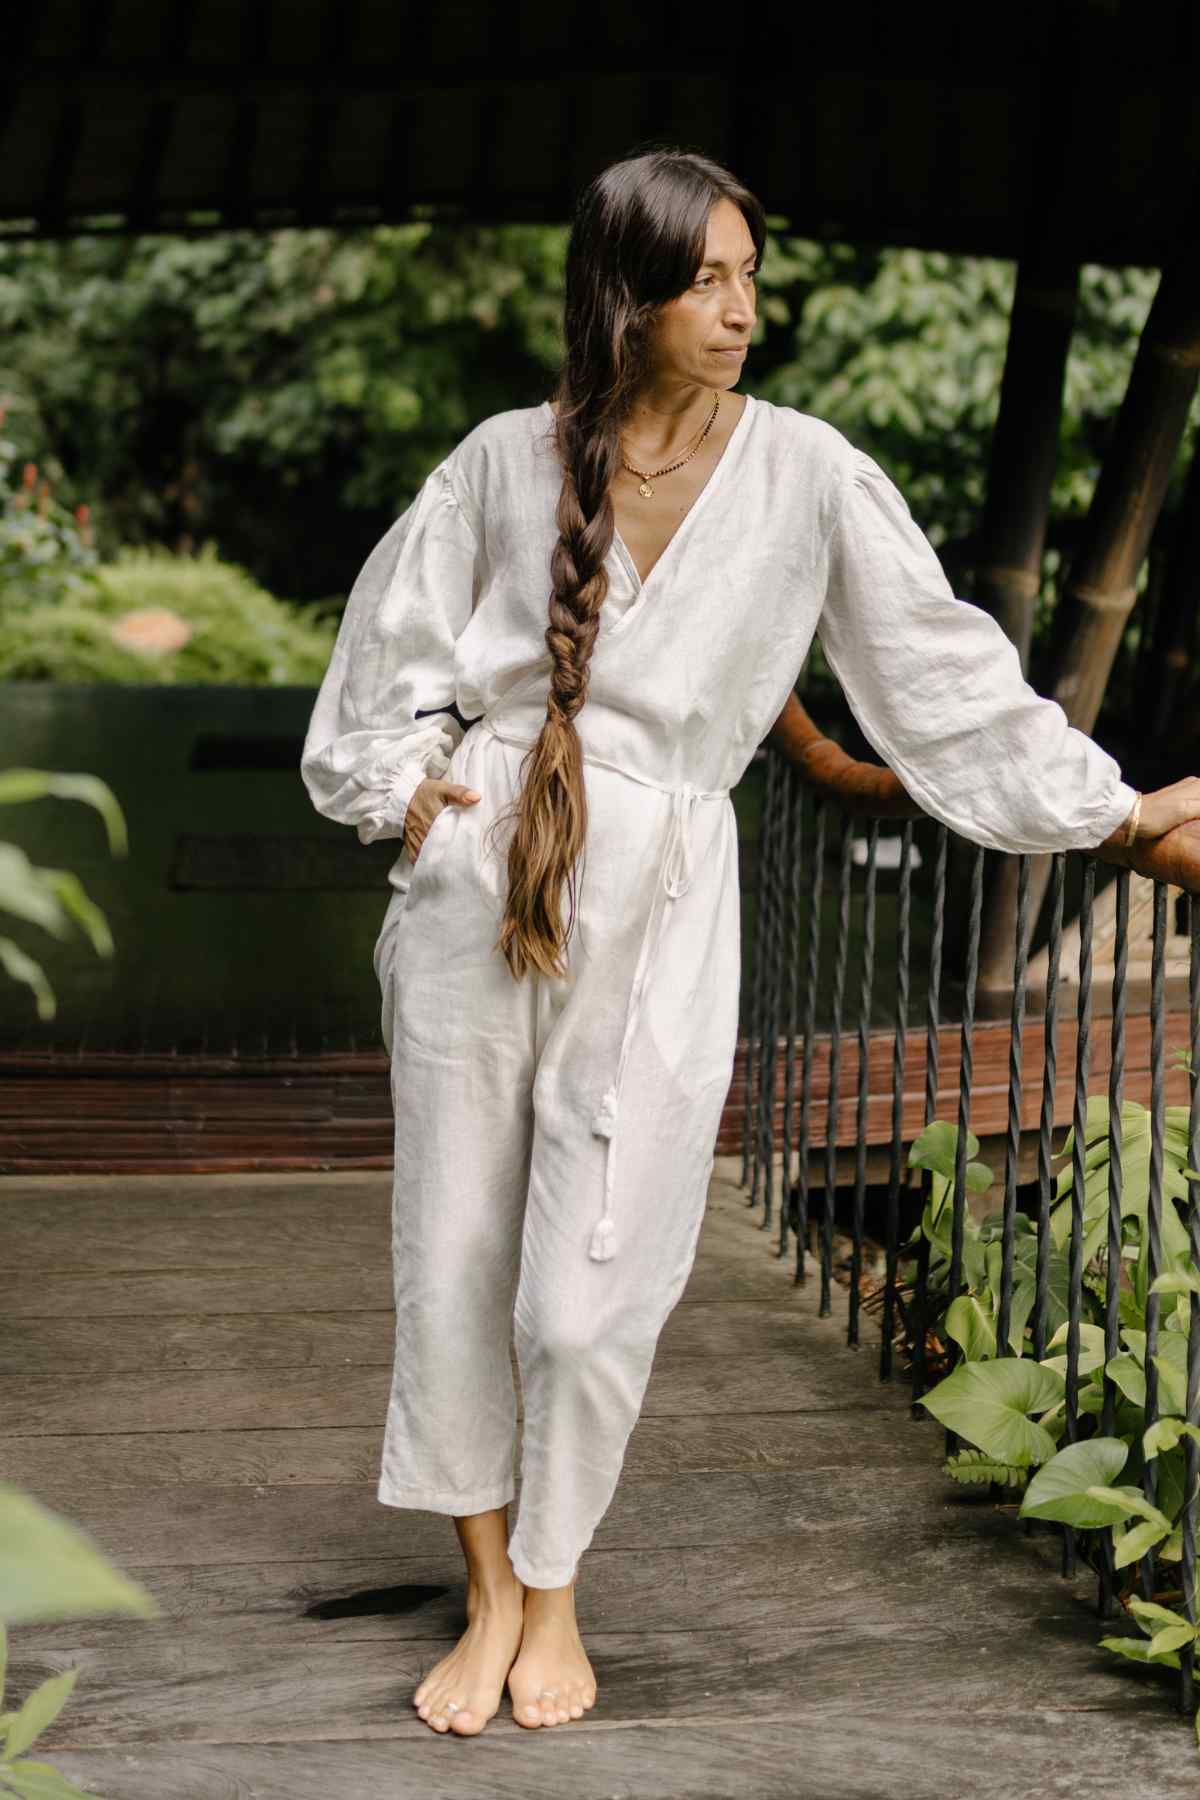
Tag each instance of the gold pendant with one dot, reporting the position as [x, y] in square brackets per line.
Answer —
[645, 490]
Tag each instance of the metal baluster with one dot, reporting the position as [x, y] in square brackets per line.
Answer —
[810, 1019]
[749, 1105]
[771, 990]
[793, 885]
[966, 1063]
[1015, 1073]
[1046, 1178]
[864, 1054]
[1078, 1150]
[931, 1084]
[841, 951]
[899, 1045]
[1154, 1206]
[1116, 1180]
[751, 1135]
[1191, 1449]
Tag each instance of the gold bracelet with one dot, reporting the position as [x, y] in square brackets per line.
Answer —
[1134, 821]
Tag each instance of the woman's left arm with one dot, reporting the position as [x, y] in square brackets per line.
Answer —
[937, 688]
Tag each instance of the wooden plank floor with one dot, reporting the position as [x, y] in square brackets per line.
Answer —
[786, 1598]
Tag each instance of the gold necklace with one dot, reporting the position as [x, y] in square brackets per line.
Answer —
[646, 476]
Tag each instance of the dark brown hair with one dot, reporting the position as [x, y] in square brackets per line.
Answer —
[638, 236]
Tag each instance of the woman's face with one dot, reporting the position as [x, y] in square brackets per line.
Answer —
[694, 330]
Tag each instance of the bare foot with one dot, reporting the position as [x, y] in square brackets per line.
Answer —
[552, 1680]
[461, 1692]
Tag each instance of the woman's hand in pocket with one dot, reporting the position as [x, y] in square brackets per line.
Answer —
[427, 802]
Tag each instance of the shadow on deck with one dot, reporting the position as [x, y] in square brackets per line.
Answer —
[786, 1597]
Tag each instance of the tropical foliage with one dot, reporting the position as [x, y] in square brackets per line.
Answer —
[1010, 1408]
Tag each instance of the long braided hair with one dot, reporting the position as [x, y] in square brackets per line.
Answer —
[638, 235]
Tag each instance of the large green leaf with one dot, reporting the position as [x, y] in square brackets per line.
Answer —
[39, 784]
[1129, 1377]
[987, 1404]
[1091, 1349]
[1132, 1545]
[1165, 1433]
[935, 1148]
[1156, 1621]
[969, 1326]
[1137, 1649]
[1171, 1362]
[50, 1569]
[1059, 1489]
[24, 894]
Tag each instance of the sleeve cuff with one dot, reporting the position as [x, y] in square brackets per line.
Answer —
[1117, 812]
[396, 775]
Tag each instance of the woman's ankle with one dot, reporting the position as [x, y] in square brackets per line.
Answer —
[493, 1590]
[552, 1602]
[492, 1582]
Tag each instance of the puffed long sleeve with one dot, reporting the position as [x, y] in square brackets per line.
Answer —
[937, 688]
[366, 751]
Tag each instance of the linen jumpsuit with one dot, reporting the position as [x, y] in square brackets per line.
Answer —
[554, 1139]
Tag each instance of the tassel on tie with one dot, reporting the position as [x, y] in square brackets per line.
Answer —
[605, 1120]
[604, 1241]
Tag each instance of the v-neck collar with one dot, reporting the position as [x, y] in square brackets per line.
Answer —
[640, 587]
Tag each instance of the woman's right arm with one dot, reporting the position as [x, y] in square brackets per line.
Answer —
[366, 750]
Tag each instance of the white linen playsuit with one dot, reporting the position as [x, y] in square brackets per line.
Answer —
[554, 1139]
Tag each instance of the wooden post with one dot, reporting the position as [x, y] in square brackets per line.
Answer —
[1024, 445]
[1102, 585]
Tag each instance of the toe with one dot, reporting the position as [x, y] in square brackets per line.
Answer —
[466, 1722]
[531, 1713]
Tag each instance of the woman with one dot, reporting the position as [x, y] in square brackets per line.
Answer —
[560, 958]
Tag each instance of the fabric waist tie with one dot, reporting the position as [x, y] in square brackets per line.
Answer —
[675, 877]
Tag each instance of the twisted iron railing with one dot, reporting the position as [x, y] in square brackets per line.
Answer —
[805, 960]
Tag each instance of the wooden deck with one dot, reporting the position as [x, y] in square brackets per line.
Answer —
[786, 1598]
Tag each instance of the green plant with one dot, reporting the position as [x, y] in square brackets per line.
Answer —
[971, 1318]
[1010, 1410]
[52, 898]
[152, 616]
[49, 1569]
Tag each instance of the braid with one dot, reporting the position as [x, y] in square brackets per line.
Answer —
[637, 237]
[552, 815]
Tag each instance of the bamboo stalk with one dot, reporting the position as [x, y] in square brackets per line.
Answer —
[1024, 447]
[1101, 586]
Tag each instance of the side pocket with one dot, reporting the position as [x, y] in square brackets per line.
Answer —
[425, 860]
[385, 963]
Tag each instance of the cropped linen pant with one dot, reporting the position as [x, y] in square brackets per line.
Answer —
[500, 1174]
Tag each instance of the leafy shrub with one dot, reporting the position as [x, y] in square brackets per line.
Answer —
[152, 616]
[1010, 1409]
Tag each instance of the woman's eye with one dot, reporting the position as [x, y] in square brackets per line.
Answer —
[703, 280]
